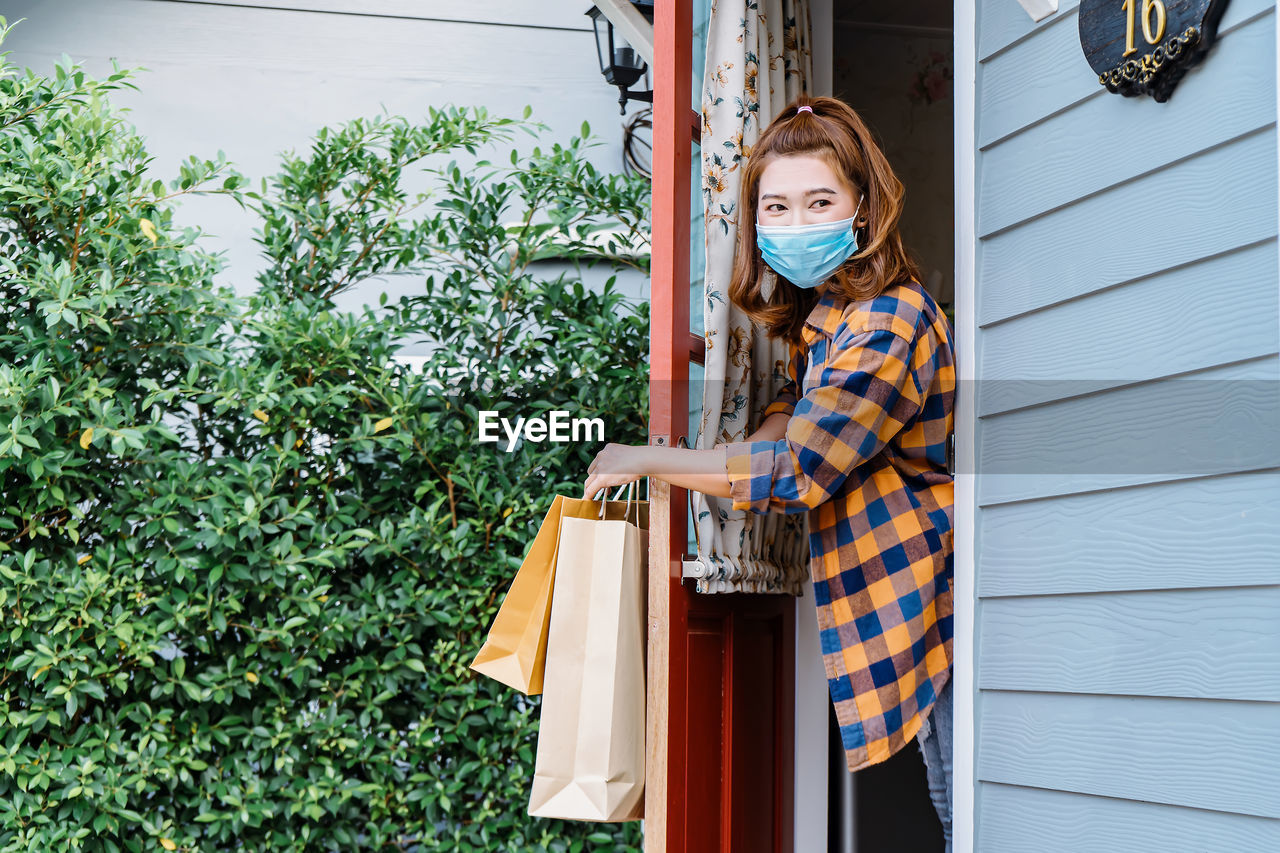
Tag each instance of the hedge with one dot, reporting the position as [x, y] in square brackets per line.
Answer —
[245, 554]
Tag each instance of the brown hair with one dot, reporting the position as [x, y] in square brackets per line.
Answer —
[835, 132]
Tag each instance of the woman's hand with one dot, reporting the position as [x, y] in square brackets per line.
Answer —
[615, 465]
[619, 464]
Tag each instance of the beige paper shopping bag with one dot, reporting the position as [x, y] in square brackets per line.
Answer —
[516, 646]
[591, 751]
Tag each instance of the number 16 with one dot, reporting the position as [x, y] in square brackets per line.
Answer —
[1147, 6]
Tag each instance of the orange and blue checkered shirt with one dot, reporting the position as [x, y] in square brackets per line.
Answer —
[865, 454]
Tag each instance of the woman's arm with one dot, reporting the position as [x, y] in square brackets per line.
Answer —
[773, 428]
[698, 470]
[870, 389]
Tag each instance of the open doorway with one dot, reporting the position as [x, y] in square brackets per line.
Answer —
[893, 64]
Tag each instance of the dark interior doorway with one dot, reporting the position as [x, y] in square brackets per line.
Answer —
[891, 809]
[893, 63]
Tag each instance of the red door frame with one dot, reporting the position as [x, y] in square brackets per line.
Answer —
[720, 728]
[668, 383]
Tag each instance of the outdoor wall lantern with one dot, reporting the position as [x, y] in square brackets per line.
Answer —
[621, 63]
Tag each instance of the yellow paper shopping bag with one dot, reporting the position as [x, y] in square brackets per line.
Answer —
[590, 762]
[516, 646]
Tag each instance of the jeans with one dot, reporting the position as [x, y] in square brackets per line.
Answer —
[935, 744]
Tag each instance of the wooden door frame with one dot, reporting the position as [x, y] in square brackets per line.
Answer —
[719, 771]
[668, 410]
[670, 345]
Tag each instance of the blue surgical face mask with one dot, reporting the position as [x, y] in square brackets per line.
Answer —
[807, 255]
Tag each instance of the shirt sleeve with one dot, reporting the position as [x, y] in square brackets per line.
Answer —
[867, 393]
[785, 401]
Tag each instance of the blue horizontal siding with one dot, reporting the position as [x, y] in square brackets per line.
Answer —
[1199, 643]
[1145, 329]
[1219, 420]
[1198, 753]
[1128, 475]
[1018, 820]
[1209, 204]
[1012, 99]
[1199, 532]
[1074, 154]
[1002, 24]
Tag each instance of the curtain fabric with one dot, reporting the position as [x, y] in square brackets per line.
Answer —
[757, 61]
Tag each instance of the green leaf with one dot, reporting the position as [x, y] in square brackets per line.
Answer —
[159, 541]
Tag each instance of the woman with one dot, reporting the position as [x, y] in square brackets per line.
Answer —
[857, 438]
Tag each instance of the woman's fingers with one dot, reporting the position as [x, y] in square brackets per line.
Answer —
[595, 477]
[612, 467]
[596, 482]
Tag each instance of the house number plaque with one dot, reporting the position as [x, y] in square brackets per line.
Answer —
[1143, 47]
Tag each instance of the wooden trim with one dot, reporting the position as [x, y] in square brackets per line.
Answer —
[697, 349]
[964, 588]
[668, 420]
[657, 701]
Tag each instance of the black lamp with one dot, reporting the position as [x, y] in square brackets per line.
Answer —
[619, 62]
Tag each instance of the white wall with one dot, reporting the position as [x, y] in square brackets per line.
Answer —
[254, 79]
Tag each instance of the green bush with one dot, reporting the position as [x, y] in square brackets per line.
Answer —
[245, 555]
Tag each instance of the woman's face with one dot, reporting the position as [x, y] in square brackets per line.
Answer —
[802, 189]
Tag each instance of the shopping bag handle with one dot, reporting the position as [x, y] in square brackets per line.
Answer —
[631, 494]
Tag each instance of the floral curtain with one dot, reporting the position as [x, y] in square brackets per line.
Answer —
[757, 61]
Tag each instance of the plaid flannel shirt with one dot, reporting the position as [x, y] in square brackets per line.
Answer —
[870, 399]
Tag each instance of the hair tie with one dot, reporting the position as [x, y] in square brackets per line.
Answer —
[805, 109]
